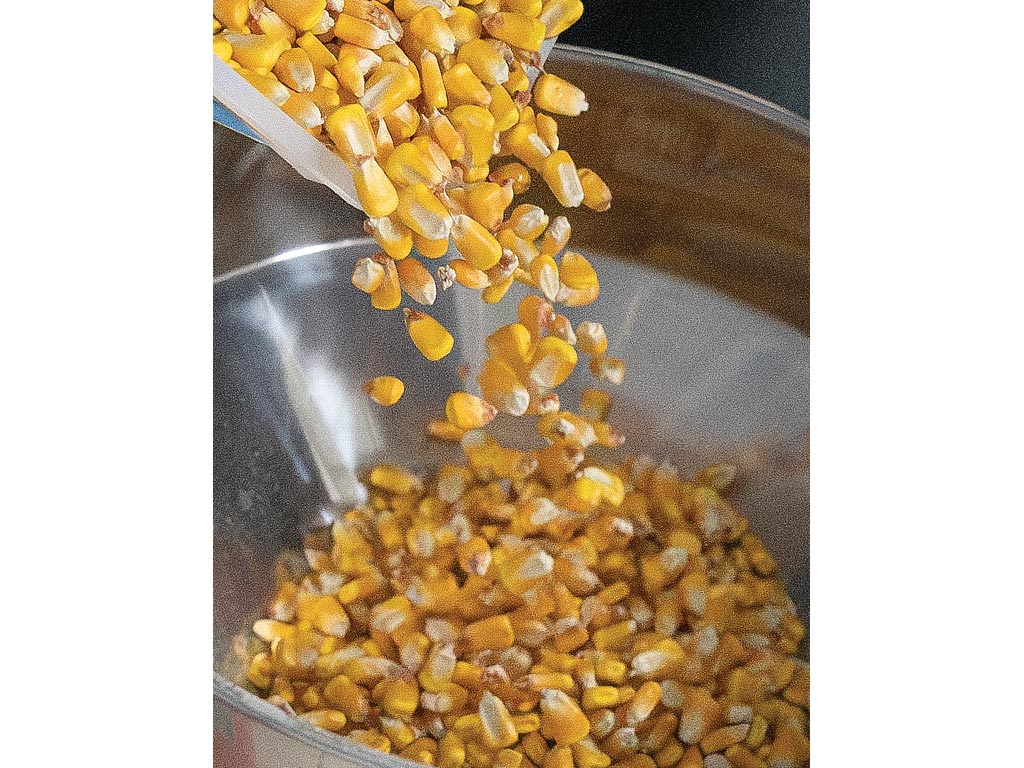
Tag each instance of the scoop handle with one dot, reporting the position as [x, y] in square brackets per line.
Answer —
[282, 134]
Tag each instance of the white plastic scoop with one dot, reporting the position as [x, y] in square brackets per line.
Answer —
[303, 152]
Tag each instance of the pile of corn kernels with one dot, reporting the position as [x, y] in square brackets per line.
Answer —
[528, 608]
[504, 613]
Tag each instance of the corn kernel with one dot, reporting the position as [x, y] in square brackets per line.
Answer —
[429, 336]
[384, 390]
[516, 29]
[416, 281]
[467, 411]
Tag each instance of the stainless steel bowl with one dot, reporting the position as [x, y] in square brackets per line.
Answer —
[703, 260]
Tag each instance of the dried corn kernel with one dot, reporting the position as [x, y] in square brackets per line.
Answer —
[384, 390]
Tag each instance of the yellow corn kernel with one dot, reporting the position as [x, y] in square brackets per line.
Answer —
[328, 719]
[576, 272]
[294, 69]
[561, 718]
[516, 29]
[371, 739]
[442, 429]
[465, 24]
[301, 108]
[547, 129]
[349, 129]
[558, 15]
[492, 633]
[560, 173]
[384, 390]
[432, 31]
[478, 246]
[526, 723]
[501, 387]
[553, 94]
[535, 314]
[591, 339]
[527, 221]
[451, 751]
[496, 291]
[233, 14]
[741, 756]
[483, 58]
[407, 165]
[518, 81]
[505, 111]
[476, 127]
[392, 236]
[429, 336]
[388, 295]
[434, 94]
[464, 87]
[342, 694]
[596, 194]
[261, 670]
[558, 757]
[431, 249]
[508, 758]
[524, 142]
[350, 75]
[419, 210]
[255, 52]
[615, 637]
[608, 369]
[267, 22]
[403, 121]
[301, 14]
[486, 203]
[446, 136]
[467, 411]
[387, 88]
[376, 193]
[595, 405]
[416, 281]
[350, 29]
[556, 236]
[319, 54]
[468, 275]
[222, 47]
[497, 727]
[398, 698]
[517, 174]
[599, 697]
[553, 361]
[327, 100]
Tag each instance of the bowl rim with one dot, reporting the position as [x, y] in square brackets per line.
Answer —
[237, 697]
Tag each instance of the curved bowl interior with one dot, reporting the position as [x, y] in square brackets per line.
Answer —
[704, 270]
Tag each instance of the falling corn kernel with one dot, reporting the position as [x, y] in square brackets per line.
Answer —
[467, 411]
[429, 336]
[416, 281]
[562, 178]
[608, 369]
[384, 390]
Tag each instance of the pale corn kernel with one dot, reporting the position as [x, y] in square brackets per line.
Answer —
[301, 14]
[416, 281]
[367, 275]
[611, 370]
[500, 386]
[468, 411]
[406, 9]
[553, 361]
[544, 272]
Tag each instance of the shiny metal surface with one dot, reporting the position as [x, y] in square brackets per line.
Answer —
[704, 266]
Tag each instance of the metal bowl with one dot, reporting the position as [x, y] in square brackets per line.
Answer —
[703, 260]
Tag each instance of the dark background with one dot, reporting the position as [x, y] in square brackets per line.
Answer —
[759, 46]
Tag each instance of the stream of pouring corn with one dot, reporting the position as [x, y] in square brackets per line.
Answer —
[528, 608]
